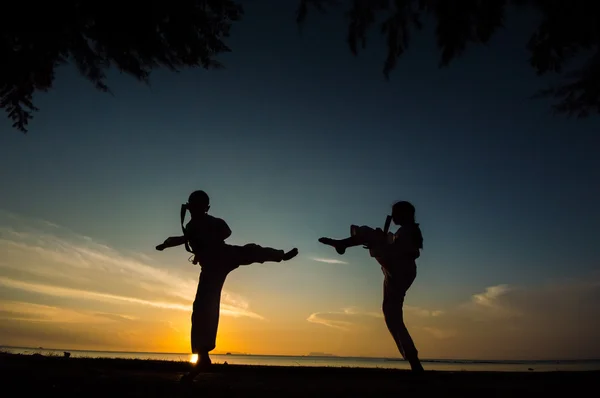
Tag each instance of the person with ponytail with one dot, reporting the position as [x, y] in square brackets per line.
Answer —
[204, 236]
[397, 255]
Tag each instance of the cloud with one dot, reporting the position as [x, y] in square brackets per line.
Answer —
[328, 260]
[558, 320]
[22, 311]
[347, 319]
[325, 319]
[422, 312]
[31, 325]
[45, 259]
[491, 294]
[491, 300]
[86, 294]
[440, 333]
[355, 311]
[236, 306]
[551, 320]
[116, 317]
[352, 317]
[51, 224]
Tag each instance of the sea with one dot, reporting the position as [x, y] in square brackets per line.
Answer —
[334, 361]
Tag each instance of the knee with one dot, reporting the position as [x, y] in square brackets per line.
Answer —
[391, 309]
[387, 308]
[195, 311]
[198, 307]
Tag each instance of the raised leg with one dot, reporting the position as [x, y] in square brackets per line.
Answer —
[340, 245]
[253, 253]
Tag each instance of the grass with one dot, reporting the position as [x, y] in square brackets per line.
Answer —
[28, 375]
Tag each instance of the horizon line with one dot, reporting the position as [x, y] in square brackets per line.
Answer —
[327, 355]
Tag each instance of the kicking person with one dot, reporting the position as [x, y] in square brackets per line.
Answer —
[206, 236]
[398, 263]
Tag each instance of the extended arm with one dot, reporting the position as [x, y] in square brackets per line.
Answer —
[171, 241]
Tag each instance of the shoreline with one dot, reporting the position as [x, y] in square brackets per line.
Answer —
[38, 374]
[332, 356]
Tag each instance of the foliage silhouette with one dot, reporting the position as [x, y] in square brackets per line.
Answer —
[568, 30]
[98, 35]
[190, 33]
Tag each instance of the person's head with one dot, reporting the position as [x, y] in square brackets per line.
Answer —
[198, 203]
[403, 213]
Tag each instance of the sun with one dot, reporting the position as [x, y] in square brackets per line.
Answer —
[194, 358]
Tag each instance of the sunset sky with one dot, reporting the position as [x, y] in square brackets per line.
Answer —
[294, 140]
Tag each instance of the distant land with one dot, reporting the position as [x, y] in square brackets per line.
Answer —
[230, 353]
[321, 354]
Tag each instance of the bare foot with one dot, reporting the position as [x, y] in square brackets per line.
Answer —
[291, 254]
[204, 364]
[334, 243]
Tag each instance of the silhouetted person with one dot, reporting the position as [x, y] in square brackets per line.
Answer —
[206, 236]
[397, 255]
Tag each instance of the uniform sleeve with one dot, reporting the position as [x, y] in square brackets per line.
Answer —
[195, 230]
[407, 242]
[222, 230]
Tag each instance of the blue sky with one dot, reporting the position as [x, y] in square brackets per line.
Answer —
[297, 139]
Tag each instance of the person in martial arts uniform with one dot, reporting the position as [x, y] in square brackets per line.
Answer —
[397, 255]
[206, 237]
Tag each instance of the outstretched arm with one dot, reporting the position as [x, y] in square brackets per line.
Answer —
[171, 241]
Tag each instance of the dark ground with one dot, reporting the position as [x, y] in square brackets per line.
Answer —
[38, 376]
